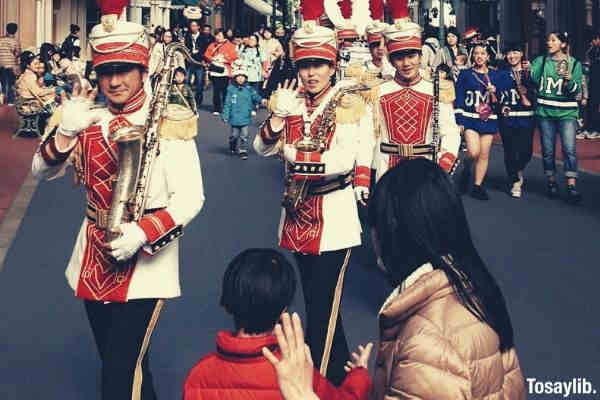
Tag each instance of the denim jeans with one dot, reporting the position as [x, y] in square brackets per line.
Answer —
[567, 130]
[239, 134]
[199, 74]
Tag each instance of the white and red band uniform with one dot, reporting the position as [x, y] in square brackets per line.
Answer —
[175, 190]
[374, 33]
[330, 221]
[405, 112]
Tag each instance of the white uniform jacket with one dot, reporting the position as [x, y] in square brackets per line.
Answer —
[404, 116]
[330, 221]
[175, 197]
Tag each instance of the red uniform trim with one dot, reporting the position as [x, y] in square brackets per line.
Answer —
[362, 176]
[324, 51]
[136, 54]
[133, 104]
[157, 225]
[347, 34]
[447, 161]
[374, 37]
[408, 43]
[267, 135]
[51, 155]
[303, 232]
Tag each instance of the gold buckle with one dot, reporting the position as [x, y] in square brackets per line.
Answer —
[405, 150]
[102, 219]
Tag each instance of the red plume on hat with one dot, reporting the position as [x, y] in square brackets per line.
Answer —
[108, 7]
[399, 10]
[311, 11]
[376, 8]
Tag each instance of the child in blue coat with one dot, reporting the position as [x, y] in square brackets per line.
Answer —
[240, 100]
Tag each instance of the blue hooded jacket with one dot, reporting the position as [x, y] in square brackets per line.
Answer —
[239, 103]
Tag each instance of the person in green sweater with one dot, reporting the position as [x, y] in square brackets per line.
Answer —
[559, 79]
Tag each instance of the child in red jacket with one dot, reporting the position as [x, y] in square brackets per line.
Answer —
[258, 286]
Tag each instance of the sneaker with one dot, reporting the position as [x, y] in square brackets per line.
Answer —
[582, 135]
[243, 155]
[520, 175]
[478, 192]
[216, 113]
[232, 144]
[516, 190]
[253, 113]
[592, 135]
[573, 196]
[552, 190]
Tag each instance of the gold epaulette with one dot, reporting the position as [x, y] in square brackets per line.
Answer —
[180, 124]
[350, 109]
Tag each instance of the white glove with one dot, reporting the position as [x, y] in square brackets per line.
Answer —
[287, 103]
[131, 240]
[77, 113]
[362, 194]
[289, 153]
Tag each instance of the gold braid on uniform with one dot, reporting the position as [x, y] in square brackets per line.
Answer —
[447, 92]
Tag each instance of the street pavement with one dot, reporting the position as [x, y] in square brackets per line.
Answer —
[544, 254]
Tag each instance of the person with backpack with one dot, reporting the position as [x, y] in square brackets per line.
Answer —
[559, 78]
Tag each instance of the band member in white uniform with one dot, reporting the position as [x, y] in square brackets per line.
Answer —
[320, 134]
[123, 282]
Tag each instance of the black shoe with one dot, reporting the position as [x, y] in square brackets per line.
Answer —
[232, 146]
[573, 196]
[243, 155]
[552, 190]
[479, 193]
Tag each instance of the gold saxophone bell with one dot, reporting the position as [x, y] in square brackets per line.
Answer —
[308, 145]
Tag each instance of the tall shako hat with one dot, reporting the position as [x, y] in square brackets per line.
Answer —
[115, 40]
[403, 34]
[375, 30]
[312, 41]
[350, 17]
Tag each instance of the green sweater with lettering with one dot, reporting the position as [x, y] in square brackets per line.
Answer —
[556, 98]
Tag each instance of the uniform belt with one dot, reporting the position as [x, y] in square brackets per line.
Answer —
[330, 185]
[100, 217]
[406, 150]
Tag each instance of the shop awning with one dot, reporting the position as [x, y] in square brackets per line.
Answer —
[261, 6]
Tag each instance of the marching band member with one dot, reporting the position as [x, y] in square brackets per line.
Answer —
[124, 282]
[320, 134]
[405, 105]
[379, 62]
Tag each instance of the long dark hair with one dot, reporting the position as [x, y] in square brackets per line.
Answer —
[564, 38]
[419, 218]
[257, 47]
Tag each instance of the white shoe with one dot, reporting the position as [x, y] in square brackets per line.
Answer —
[582, 135]
[516, 191]
[215, 113]
[593, 135]
[253, 113]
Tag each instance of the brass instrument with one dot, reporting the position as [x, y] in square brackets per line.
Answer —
[138, 148]
[297, 190]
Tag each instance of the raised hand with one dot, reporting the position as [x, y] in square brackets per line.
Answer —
[77, 113]
[361, 359]
[295, 369]
[287, 102]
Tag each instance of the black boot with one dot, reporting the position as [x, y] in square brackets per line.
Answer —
[552, 190]
[232, 145]
[573, 196]
[479, 193]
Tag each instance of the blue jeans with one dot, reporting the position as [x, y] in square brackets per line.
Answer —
[239, 134]
[199, 73]
[567, 130]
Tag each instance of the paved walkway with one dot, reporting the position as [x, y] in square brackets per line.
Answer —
[544, 254]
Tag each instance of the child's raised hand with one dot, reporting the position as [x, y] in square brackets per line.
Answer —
[361, 359]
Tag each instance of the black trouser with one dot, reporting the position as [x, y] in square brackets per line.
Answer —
[219, 91]
[518, 149]
[319, 275]
[122, 332]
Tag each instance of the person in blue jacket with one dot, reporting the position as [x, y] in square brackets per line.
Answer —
[240, 101]
[475, 108]
[517, 120]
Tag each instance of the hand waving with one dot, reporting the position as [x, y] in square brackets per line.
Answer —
[287, 102]
[295, 369]
[77, 114]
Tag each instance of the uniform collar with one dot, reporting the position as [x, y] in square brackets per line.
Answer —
[132, 105]
[404, 84]
[313, 102]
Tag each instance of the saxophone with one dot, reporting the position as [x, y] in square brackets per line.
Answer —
[138, 148]
[297, 190]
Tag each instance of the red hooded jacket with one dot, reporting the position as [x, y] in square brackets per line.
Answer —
[238, 370]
